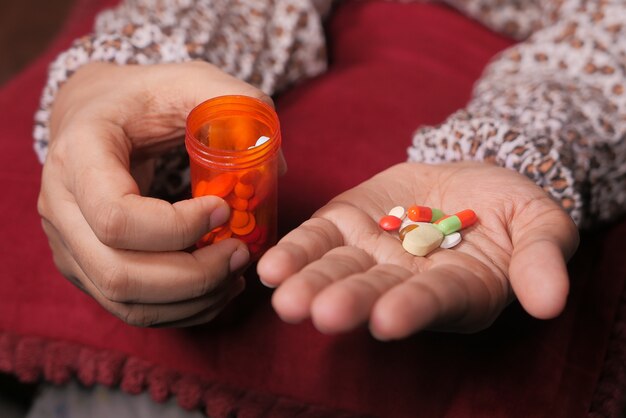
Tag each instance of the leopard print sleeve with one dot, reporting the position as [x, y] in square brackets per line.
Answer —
[234, 35]
[553, 108]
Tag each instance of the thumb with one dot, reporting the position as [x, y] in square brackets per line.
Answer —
[538, 271]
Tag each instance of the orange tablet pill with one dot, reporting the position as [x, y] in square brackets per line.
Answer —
[238, 219]
[251, 177]
[220, 186]
[244, 191]
[237, 203]
[223, 234]
[247, 228]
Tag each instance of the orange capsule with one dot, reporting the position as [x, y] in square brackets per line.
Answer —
[247, 228]
[423, 214]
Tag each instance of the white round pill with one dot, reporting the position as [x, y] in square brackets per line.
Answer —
[398, 212]
[262, 140]
[451, 240]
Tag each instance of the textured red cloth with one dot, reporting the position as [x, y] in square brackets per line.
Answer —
[394, 66]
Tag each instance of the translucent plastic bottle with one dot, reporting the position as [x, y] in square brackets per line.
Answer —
[220, 138]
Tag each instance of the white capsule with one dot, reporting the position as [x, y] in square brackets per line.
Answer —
[451, 240]
[398, 212]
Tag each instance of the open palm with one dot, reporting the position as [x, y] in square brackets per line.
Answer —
[342, 270]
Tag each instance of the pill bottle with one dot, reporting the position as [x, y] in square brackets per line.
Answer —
[224, 159]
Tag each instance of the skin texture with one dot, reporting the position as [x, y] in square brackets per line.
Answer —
[341, 270]
[126, 250]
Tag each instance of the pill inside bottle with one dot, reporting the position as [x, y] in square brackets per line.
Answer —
[233, 144]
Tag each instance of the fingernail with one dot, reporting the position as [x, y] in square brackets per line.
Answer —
[271, 286]
[239, 258]
[219, 215]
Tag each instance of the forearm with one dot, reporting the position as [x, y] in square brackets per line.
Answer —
[551, 108]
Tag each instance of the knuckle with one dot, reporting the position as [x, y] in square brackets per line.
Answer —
[42, 206]
[115, 285]
[139, 316]
[183, 230]
[110, 224]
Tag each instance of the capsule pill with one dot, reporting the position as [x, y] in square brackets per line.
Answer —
[424, 214]
[456, 222]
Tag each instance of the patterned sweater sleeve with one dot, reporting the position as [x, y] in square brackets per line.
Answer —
[553, 107]
[234, 35]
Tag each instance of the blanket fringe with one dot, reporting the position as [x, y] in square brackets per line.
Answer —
[33, 359]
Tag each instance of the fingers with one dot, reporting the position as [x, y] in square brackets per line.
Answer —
[292, 301]
[210, 313]
[109, 200]
[341, 292]
[186, 313]
[348, 303]
[538, 270]
[446, 295]
[307, 243]
[148, 277]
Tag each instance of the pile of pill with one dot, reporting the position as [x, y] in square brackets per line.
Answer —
[422, 229]
[243, 192]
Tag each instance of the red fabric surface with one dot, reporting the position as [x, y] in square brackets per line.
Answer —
[394, 67]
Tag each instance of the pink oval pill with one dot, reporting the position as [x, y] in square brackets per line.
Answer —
[390, 223]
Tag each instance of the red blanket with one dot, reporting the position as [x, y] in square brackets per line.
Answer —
[393, 67]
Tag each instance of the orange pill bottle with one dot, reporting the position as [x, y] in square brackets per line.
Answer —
[224, 159]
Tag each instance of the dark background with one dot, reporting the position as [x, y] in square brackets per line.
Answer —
[26, 28]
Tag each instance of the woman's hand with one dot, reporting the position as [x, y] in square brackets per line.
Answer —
[108, 124]
[342, 270]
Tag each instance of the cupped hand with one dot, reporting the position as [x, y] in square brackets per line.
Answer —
[342, 270]
[126, 250]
